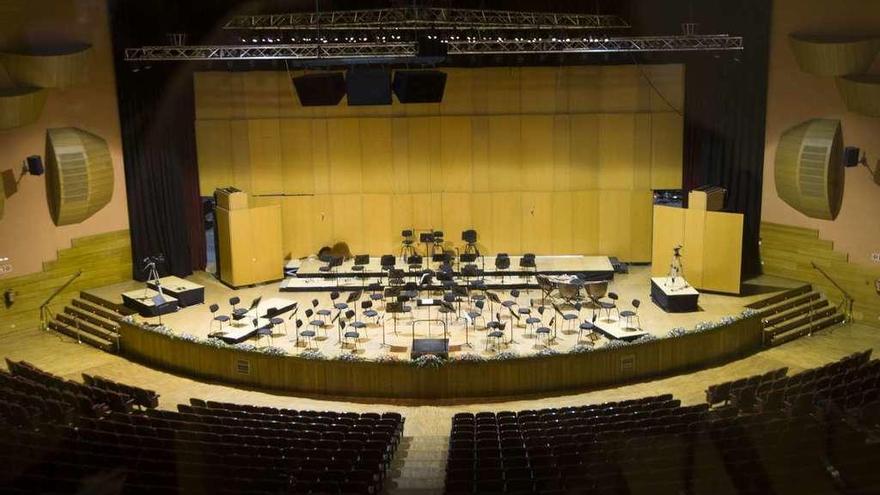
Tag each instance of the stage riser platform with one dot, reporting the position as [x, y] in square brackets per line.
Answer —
[329, 285]
[588, 267]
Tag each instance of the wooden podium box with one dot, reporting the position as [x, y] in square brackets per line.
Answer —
[249, 245]
[711, 246]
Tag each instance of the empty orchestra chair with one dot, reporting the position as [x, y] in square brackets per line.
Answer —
[308, 333]
[316, 323]
[588, 329]
[609, 306]
[218, 318]
[360, 262]
[502, 262]
[546, 331]
[234, 301]
[629, 314]
[387, 262]
[263, 331]
[470, 239]
[532, 322]
[368, 311]
[476, 312]
[496, 333]
[275, 320]
[407, 248]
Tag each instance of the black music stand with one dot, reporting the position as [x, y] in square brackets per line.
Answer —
[450, 307]
[354, 297]
[427, 238]
[394, 308]
[493, 298]
[513, 314]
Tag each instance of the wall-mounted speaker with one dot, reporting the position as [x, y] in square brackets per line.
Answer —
[851, 156]
[79, 174]
[809, 168]
[368, 86]
[419, 86]
[34, 165]
[320, 88]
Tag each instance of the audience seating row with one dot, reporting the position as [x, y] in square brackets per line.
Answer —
[655, 445]
[48, 444]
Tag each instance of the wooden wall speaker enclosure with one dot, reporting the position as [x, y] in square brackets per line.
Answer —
[809, 168]
[79, 174]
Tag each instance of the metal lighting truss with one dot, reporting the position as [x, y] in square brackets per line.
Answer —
[597, 45]
[425, 18]
[392, 50]
[311, 51]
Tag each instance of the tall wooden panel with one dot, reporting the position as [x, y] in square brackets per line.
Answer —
[537, 152]
[214, 148]
[572, 150]
[377, 155]
[505, 173]
[264, 139]
[250, 245]
[711, 246]
[456, 154]
[344, 155]
[296, 156]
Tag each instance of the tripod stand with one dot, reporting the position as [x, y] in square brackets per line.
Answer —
[676, 269]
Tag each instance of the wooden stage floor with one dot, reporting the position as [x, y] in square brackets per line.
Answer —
[196, 320]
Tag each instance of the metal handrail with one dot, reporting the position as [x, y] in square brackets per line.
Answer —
[45, 313]
[846, 304]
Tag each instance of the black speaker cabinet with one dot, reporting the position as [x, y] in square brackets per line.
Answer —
[320, 88]
[35, 165]
[851, 156]
[419, 86]
[368, 86]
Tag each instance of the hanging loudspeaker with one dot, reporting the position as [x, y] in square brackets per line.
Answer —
[419, 86]
[79, 174]
[809, 168]
[320, 88]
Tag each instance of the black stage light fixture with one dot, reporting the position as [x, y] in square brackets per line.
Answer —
[419, 86]
[368, 86]
[320, 88]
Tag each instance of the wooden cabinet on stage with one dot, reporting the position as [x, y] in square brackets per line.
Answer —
[249, 244]
[711, 246]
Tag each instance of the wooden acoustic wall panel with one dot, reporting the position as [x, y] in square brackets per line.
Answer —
[20, 106]
[79, 174]
[788, 251]
[52, 68]
[104, 259]
[861, 93]
[833, 56]
[809, 168]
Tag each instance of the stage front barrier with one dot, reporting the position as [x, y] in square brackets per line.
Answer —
[491, 378]
[712, 246]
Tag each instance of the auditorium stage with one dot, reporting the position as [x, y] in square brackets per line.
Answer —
[306, 275]
[196, 320]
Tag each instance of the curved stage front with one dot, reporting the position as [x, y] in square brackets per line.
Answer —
[560, 373]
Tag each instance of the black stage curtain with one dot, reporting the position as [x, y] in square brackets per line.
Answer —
[157, 115]
[725, 110]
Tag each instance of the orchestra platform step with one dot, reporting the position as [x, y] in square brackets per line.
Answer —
[589, 267]
[795, 313]
[307, 276]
